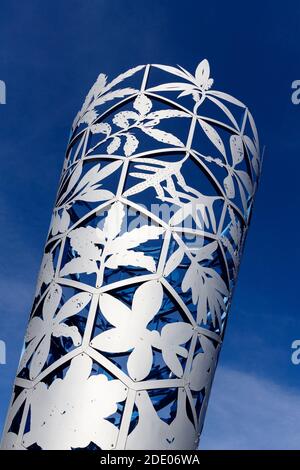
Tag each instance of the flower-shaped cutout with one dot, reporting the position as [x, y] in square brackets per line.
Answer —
[130, 332]
[41, 330]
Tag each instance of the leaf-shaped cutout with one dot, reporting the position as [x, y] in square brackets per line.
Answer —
[101, 128]
[217, 283]
[206, 251]
[236, 233]
[118, 339]
[226, 97]
[121, 93]
[30, 348]
[46, 272]
[60, 223]
[35, 328]
[140, 361]
[67, 331]
[89, 117]
[55, 223]
[254, 129]
[208, 289]
[202, 74]
[211, 292]
[131, 258]
[114, 145]
[96, 174]
[181, 214]
[208, 347]
[176, 334]
[95, 195]
[201, 210]
[90, 178]
[225, 110]
[113, 221]
[93, 176]
[215, 302]
[229, 186]
[167, 114]
[250, 145]
[237, 149]
[120, 78]
[79, 265]
[203, 365]
[115, 311]
[51, 302]
[73, 306]
[39, 358]
[147, 300]
[142, 104]
[172, 336]
[73, 180]
[64, 221]
[173, 71]
[213, 136]
[131, 145]
[162, 136]
[246, 180]
[174, 261]
[195, 94]
[255, 165]
[135, 237]
[243, 196]
[84, 241]
[122, 119]
[187, 282]
[99, 85]
[174, 86]
[172, 361]
[108, 170]
[188, 74]
[199, 376]
[114, 340]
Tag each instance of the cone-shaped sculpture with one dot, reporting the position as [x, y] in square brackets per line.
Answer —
[139, 266]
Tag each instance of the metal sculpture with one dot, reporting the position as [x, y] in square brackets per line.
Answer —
[139, 266]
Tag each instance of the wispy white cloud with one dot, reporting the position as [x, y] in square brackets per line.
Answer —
[249, 412]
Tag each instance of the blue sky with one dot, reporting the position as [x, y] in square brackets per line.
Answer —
[50, 54]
